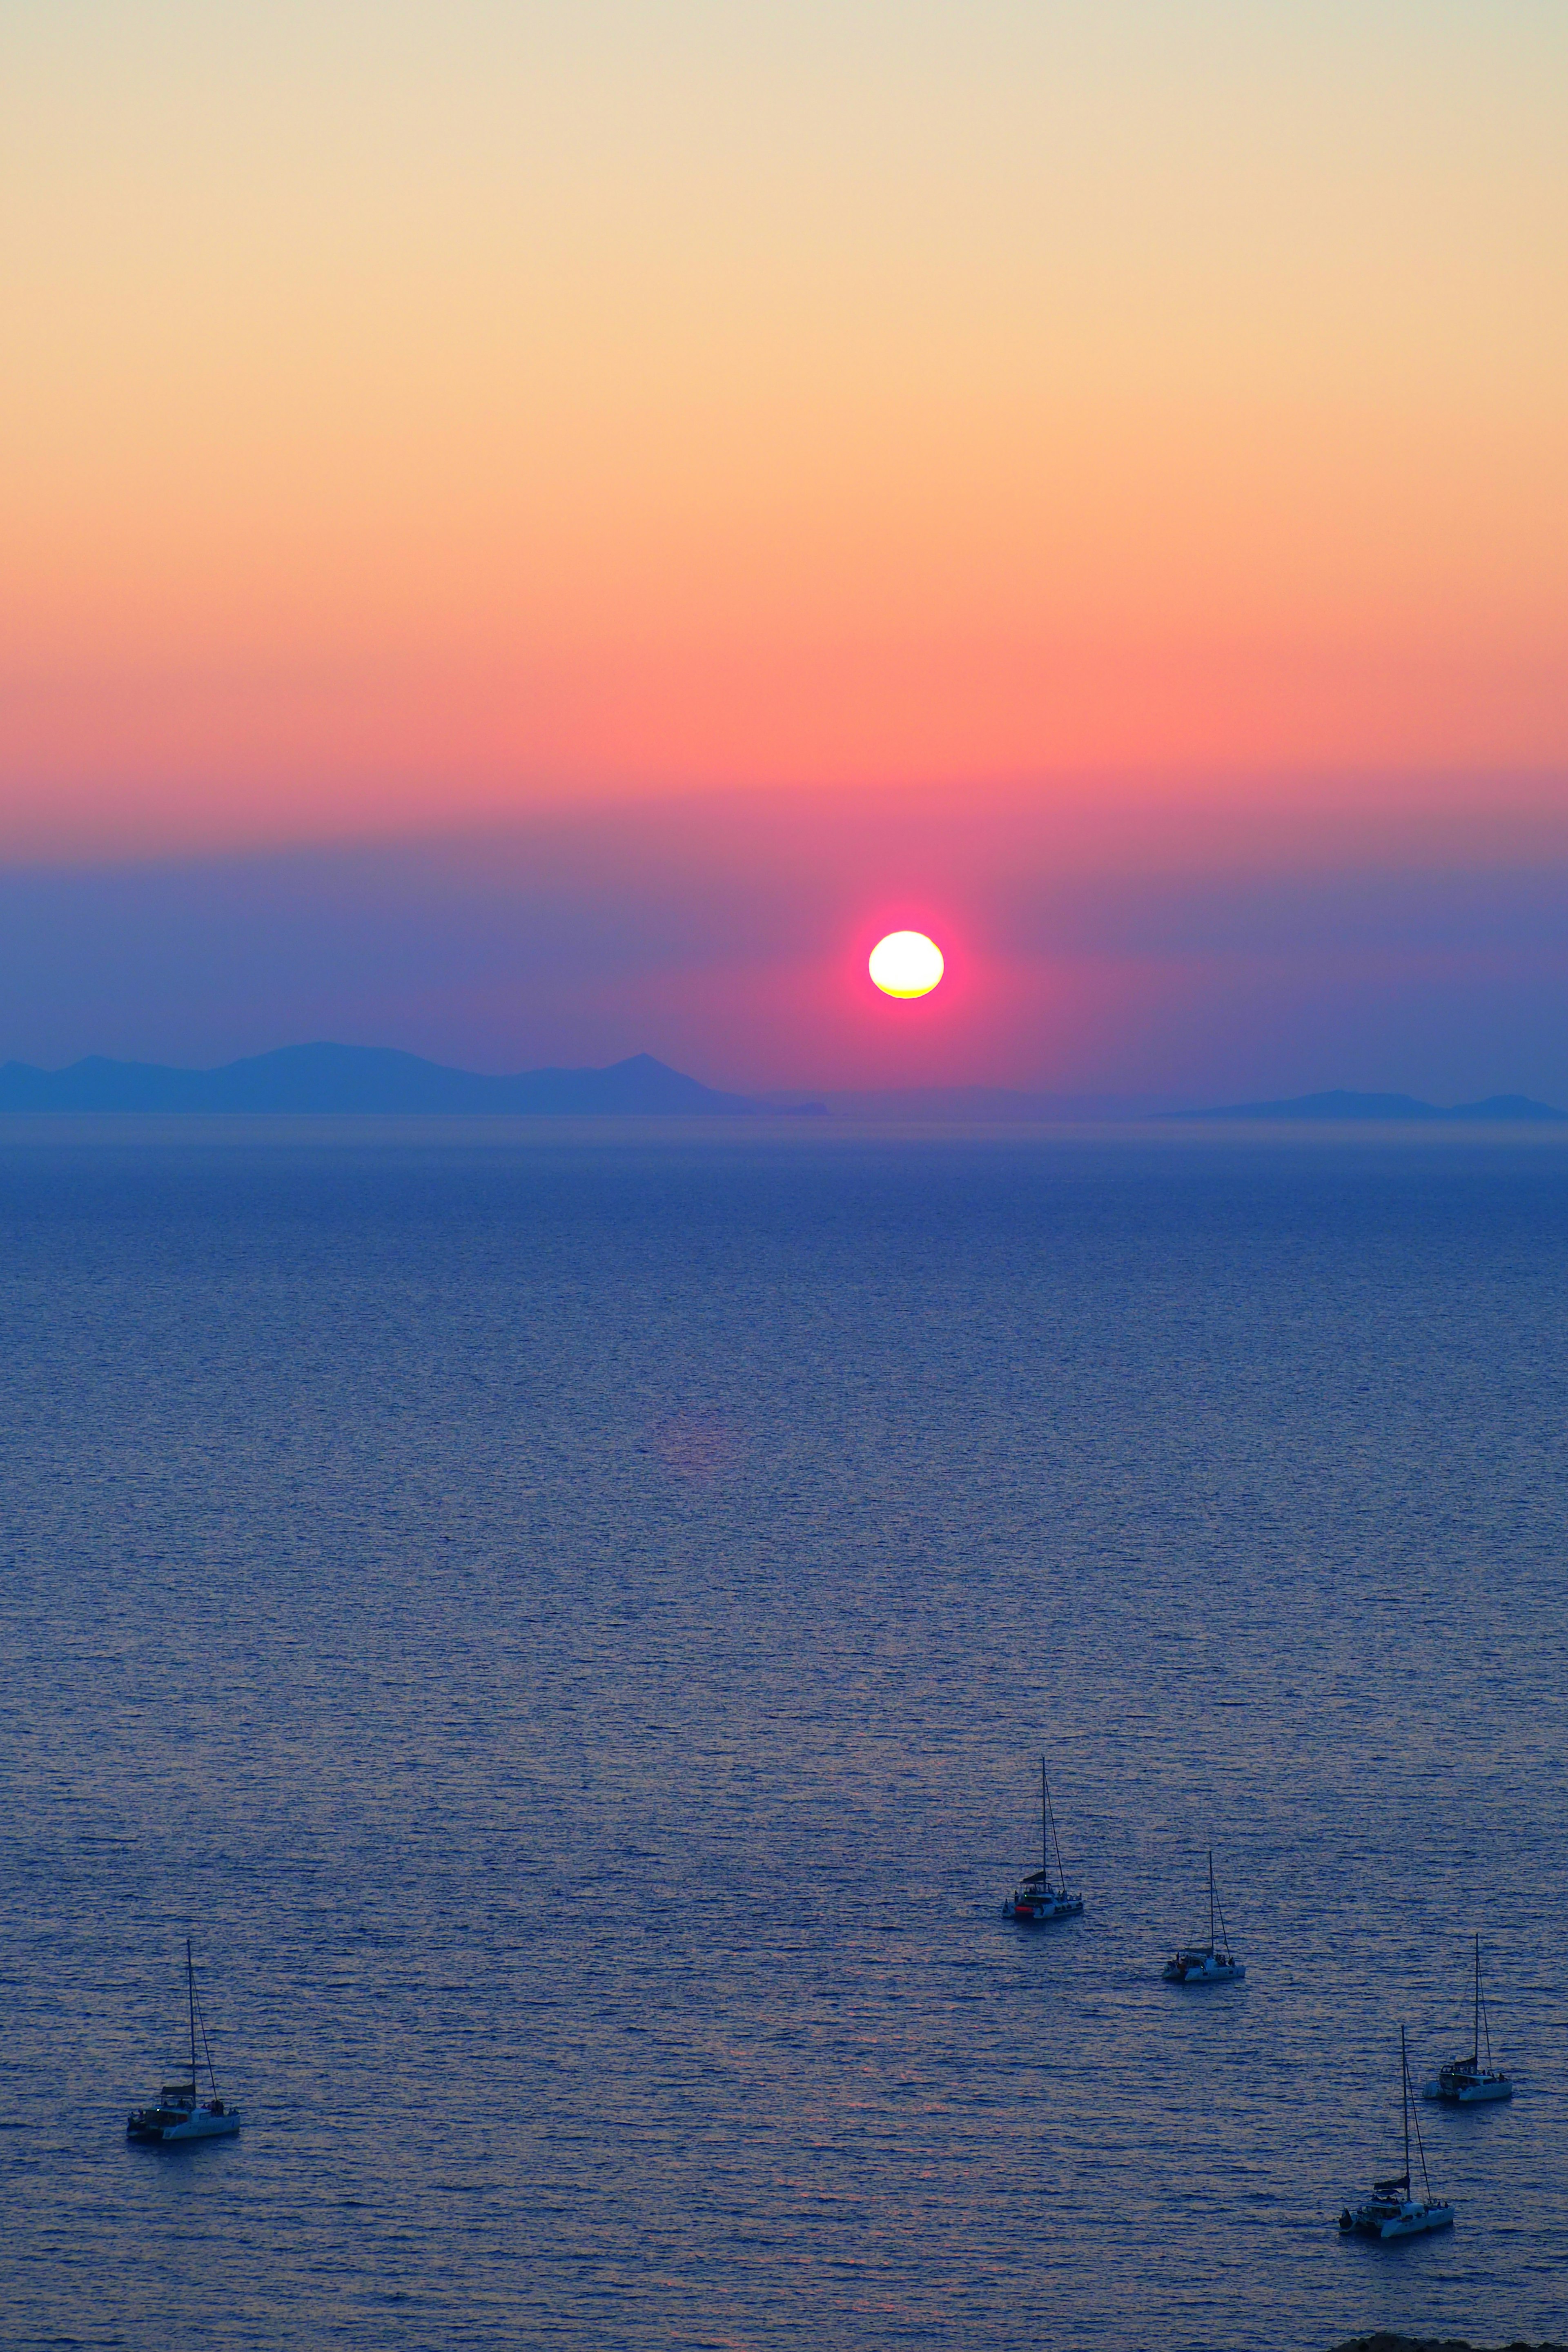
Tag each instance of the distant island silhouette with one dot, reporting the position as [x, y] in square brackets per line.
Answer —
[380, 1080]
[1342, 1104]
[373, 1078]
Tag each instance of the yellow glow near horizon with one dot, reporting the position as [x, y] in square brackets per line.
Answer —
[906, 964]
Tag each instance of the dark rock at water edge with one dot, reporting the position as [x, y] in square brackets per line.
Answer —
[1382, 2342]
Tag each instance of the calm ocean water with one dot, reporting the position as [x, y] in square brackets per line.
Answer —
[570, 1628]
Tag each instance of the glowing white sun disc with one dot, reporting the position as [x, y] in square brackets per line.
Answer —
[906, 964]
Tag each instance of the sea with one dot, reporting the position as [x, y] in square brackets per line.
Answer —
[566, 1617]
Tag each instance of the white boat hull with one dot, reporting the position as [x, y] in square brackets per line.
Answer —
[204, 2127]
[162, 2129]
[1035, 1914]
[1467, 2094]
[1411, 2221]
[1416, 2223]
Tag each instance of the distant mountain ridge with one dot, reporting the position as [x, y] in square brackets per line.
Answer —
[379, 1079]
[361, 1079]
[1341, 1103]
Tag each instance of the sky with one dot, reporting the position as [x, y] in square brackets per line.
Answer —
[534, 527]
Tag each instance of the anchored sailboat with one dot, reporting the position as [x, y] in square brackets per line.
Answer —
[1038, 1899]
[1390, 2211]
[1210, 1963]
[179, 2114]
[1465, 2082]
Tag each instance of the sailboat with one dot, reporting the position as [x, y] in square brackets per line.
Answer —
[179, 2114]
[1037, 1897]
[1465, 2082]
[1390, 2211]
[1210, 1963]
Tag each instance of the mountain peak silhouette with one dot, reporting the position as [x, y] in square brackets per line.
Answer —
[323, 1077]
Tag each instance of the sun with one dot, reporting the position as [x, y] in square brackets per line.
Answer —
[906, 964]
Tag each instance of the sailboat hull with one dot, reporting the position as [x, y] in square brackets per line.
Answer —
[1417, 2222]
[200, 2127]
[1466, 2095]
[203, 2124]
[1382, 2220]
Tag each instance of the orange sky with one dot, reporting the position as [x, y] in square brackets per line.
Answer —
[428, 412]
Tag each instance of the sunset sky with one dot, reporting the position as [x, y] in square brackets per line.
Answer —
[534, 529]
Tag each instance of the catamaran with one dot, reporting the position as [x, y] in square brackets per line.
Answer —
[1465, 2082]
[1390, 2211]
[1037, 1897]
[179, 2114]
[1210, 1963]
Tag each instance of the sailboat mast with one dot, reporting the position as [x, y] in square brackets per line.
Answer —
[1409, 2111]
[1405, 2105]
[1051, 1815]
[1044, 1816]
[1211, 1899]
[1476, 2040]
[190, 2001]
